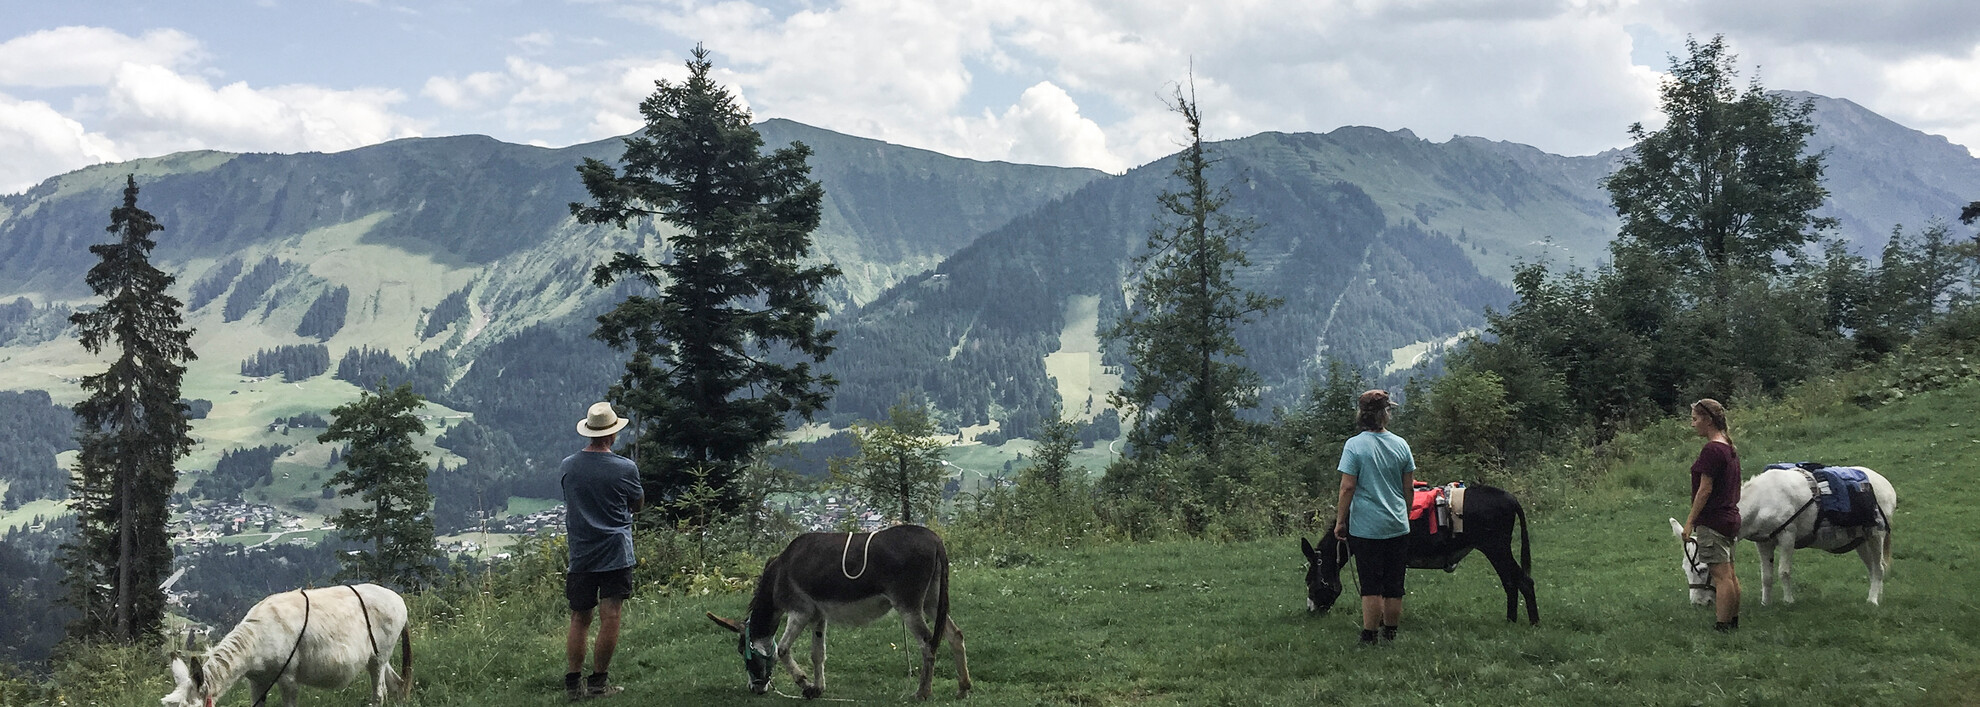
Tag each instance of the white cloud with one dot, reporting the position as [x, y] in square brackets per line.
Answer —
[158, 110]
[1072, 82]
[145, 96]
[39, 141]
[1937, 95]
[473, 91]
[88, 56]
[1043, 127]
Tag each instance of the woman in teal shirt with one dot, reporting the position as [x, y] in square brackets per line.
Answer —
[1377, 474]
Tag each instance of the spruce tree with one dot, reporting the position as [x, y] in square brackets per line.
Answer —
[1187, 382]
[132, 428]
[384, 469]
[722, 348]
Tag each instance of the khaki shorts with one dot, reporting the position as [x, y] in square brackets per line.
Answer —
[1714, 548]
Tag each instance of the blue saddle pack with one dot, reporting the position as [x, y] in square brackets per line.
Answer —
[1837, 489]
[1843, 495]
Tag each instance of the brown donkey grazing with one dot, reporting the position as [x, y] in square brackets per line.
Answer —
[851, 579]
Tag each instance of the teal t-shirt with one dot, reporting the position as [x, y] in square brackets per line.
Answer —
[1380, 507]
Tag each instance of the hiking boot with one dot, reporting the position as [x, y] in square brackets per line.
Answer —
[574, 687]
[1389, 633]
[596, 686]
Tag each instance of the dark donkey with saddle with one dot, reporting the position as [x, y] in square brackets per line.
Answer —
[851, 579]
[1479, 517]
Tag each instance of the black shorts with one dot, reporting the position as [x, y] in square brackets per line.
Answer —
[1380, 565]
[584, 589]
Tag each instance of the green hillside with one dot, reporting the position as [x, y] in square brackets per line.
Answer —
[1195, 622]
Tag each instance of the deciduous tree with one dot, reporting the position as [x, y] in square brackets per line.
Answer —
[132, 429]
[722, 352]
[1727, 181]
[899, 465]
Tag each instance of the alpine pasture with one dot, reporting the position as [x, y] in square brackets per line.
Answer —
[1205, 622]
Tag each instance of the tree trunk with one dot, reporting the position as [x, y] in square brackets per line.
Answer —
[907, 493]
[124, 552]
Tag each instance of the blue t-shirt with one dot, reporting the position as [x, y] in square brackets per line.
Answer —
[599, 490]
[1380, 506]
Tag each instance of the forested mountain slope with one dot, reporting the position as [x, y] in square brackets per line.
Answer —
[959, 274]
[1357, 283]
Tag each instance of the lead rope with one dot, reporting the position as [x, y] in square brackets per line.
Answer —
[292, 653]
[865, 554]
[1346, 557]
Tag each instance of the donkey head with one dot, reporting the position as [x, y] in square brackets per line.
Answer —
[1323, 574]
[756, 652]
[189, 683]
[1696, 574]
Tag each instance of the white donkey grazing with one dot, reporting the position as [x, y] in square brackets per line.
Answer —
[318, 637]
[1776, 511]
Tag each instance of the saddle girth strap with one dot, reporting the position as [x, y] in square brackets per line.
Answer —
[1813, 494]
[292, 651]
[366, 611]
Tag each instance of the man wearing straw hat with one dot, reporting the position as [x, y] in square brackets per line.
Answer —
[601, 492]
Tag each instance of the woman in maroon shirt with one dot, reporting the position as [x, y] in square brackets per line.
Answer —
[1714, 518]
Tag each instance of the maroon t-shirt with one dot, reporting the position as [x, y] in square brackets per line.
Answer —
[1720, 462]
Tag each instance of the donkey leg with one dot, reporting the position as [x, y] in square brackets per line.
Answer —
[1766, 551]
[289, 692]
[1872, 552]
[381, 669]
[794, 625]
[1786, 571]
[918, 627]
[962, 662]
[1510, 576]
[817, 658]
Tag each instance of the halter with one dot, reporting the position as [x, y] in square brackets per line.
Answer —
[1697, 566]
[748, 647]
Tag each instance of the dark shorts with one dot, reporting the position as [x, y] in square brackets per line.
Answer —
[584, 589]
[1380, 565]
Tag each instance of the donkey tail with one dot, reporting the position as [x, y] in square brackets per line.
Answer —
[941, 600]
[405, 663]
[1885, 561]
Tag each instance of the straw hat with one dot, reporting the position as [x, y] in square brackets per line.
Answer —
[600, 421]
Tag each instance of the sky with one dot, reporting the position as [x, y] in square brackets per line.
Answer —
[1058, 82]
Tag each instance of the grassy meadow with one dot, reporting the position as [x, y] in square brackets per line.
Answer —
[1200, 622]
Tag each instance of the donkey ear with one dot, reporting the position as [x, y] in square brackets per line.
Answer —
[180, 675]
[1307, 548]
[198, 671]
[1677, 528]
[724, 623]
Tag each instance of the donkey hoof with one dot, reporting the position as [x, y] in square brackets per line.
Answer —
[811, 692]
[962, 693]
